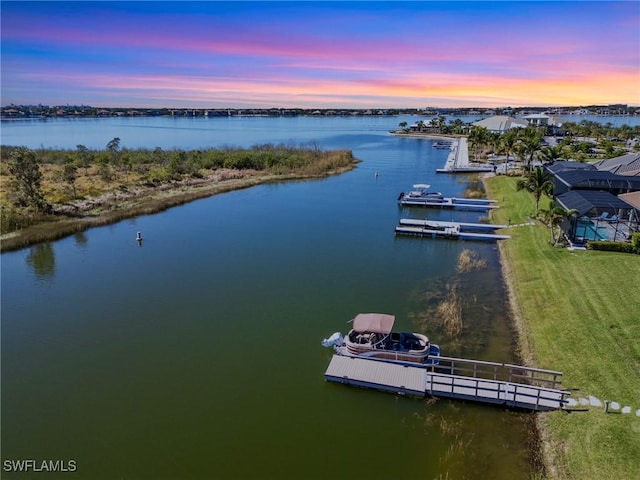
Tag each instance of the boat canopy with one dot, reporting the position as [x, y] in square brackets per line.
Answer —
[422, 186]
[374, 323]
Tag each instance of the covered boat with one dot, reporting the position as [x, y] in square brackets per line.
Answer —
[421, 192]
[372, 337]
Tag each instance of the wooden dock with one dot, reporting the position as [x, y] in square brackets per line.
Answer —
[486, 382]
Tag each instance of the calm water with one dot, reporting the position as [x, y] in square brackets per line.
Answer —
[197, 355]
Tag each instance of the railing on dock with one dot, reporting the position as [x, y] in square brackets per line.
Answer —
[503, 372]
[489, 382]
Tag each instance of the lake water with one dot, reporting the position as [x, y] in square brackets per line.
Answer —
[197, 354]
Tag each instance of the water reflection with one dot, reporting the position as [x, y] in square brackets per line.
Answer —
[81, 239]
[42, 260]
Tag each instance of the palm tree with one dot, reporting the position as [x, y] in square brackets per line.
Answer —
[554, 217]
[507, 145]
[478, 137]
[538, 182]
[530, 141]
[551, 154]
[457, 126]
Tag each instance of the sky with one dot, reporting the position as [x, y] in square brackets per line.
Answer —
[365, 54]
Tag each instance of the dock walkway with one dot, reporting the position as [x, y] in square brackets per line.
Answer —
[448, 232]
[486, 382]
[458, 160]
[482, 227]
[450, 203]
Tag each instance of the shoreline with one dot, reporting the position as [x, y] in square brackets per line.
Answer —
[142, 201]
[526, 352]
[429, 136]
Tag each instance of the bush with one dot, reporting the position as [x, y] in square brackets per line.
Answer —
[622, 247]
[635, 242]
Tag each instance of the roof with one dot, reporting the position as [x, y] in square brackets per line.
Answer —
[584, 201]
[500, 123]
[628, 164]
[597, 179]
[569, 165]
[373, 322]
[632, 198]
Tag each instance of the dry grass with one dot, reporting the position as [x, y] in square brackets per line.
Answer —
[468, 260]
[450, 311]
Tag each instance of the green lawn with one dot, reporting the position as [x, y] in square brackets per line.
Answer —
[580, 314]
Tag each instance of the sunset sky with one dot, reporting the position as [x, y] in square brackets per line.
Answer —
[320, 54]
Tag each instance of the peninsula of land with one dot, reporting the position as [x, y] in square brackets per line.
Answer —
[49, 194]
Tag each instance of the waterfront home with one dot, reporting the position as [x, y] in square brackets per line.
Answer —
[598, 216]
[628, 165]
[500, 123]
[597, 198]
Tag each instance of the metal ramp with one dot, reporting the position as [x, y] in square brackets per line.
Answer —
[486, 382]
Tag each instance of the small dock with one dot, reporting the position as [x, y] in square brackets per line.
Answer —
[450, 203]
[436, 224]
[451, 232]
[485, 382]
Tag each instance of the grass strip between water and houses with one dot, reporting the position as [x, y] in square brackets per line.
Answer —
[577, 312]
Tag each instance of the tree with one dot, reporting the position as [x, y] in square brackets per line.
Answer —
[403, 125]
[457, 126]
[113, 147]
[69, 173]
[478, 137]
[24, 166]
[554, 217]
[538, 182]
[551, 154]
[530, 142]
[508, 142]
[84, 157]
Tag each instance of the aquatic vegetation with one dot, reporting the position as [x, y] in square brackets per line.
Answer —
[469, 260]
[450, 311]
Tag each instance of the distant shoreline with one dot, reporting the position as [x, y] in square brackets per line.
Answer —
[430, 135]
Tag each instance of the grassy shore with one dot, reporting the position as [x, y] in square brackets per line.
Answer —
[577, 312]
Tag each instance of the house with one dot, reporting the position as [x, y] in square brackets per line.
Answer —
[585, 179]
[568, 165]
[599, 216]
[500, 123]
[552, 123]
[598, 198]
[628, 164]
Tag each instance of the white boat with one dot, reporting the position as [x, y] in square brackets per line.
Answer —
[421, 192]
[372, 337]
